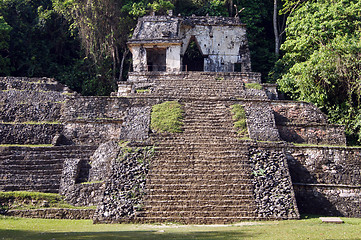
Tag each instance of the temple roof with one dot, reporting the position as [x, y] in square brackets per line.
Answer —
[166, 29]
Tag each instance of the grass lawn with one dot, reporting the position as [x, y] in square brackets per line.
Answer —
[311, 228]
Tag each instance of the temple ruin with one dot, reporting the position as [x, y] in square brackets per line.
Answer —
[102, 151]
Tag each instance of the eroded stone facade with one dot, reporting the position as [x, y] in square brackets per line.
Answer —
[159, 43]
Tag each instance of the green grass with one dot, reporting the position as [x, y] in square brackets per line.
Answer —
[312, 228]
[322, 145]
[91, 182]
[26, 145]
[254, 86]
[32, 122]
[33, 200]
[239, 118]
[167, 117]
[142, 91]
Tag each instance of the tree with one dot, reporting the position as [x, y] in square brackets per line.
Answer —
[322, 60]
[104, 26]
[4, 47]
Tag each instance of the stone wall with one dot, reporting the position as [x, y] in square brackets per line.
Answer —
[34, 84]
[136, 126]
[93, 108]
[320, 134]
[302, 122]
[125, 188]
[273, 190]
[260, 121]
[297, 112]
[34, 112]
[40, 133]
[85, 194]
[326, 179]
[95, 120]
[28, 96]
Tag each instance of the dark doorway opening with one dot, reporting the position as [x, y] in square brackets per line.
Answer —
[193, 60]
[156, 59]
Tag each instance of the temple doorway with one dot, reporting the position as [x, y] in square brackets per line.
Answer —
[193, 59]
[156, 59]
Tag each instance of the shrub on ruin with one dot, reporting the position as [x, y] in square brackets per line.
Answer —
[239, 118]
[253, 86]
[167, 117]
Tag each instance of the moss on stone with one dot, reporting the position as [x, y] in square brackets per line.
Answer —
[22, 200]
[167, 117]
[239, 118]
[253, 86]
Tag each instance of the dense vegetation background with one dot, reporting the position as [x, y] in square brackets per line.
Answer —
[311, 48]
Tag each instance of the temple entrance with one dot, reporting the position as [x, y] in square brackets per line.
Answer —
[193, 59]
[156, 59]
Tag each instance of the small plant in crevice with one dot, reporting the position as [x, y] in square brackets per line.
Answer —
[253, 86]
[239, 118]
[167, 117]
[143, 90]
[259, 172]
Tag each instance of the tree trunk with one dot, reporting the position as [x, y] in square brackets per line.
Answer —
[275, 29]
[230, 8]
[125, 53]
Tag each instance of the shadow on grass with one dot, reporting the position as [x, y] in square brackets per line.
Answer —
[144, 235]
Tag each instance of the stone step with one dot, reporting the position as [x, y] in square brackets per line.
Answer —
[162, 179]
[202, 208]
[175, 198]
[196, 185]
[196, 220]
[200, 193]
[200, 150]
[214, 157]
[193, 172]
[198, 147]
[199, 202]
[198, 213]
[200, 164]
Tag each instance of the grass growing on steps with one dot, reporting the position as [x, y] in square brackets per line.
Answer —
[26, 145]
[311, 228]
[32, 200]
[254, 86]
[167, 117]
[239, 118]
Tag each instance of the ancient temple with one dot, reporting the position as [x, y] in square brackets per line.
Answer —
[102, 151]
[160, 43]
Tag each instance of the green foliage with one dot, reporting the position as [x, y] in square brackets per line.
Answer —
[254, 86]
[259, 172]
[309, 227]
[32, 200]
[239, 118]
[4, 47]
[322, 61]
[167, 117]
[257, 15]
[22, 195]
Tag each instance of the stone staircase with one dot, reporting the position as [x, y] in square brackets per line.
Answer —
[30, 120]
[200, 85]
[37, 168]
[201, 175]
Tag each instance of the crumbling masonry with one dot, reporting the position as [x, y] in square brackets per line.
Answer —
[104, 153]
